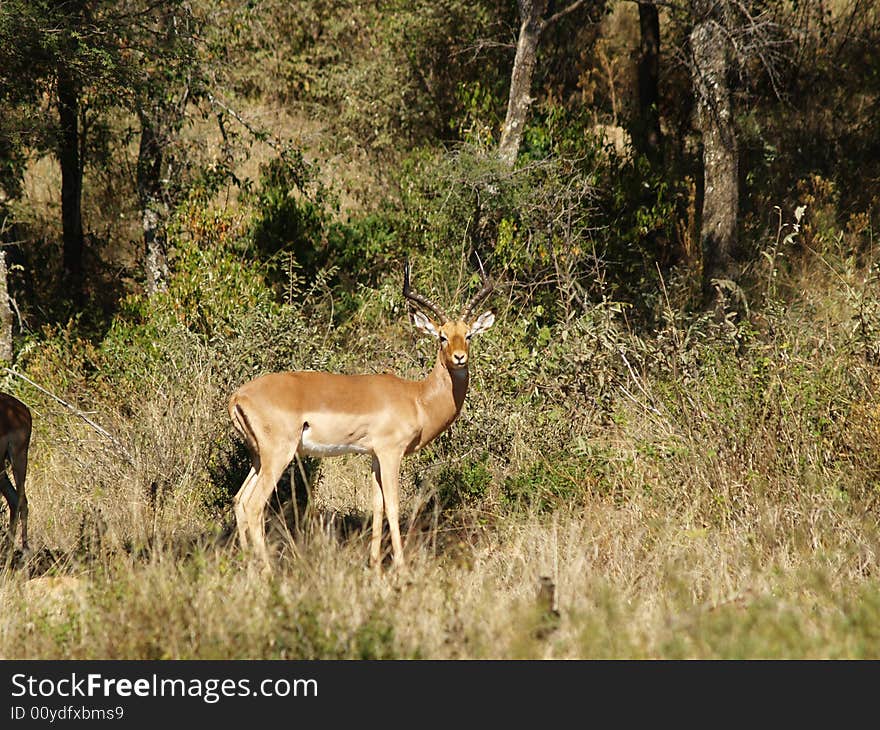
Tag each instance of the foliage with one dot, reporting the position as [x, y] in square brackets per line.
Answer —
[99, 44]
[548, 484]
[297, 226]
[464, 483]
[383, 73]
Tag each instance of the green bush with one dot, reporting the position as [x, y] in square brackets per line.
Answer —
[559, 481]
[463, 484]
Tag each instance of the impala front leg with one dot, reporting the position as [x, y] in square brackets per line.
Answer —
[389, 473]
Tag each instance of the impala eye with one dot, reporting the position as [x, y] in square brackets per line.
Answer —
[443, 339]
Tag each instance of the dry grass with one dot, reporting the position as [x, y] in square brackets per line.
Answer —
[118, 574]
[726, 512]
[630, 583]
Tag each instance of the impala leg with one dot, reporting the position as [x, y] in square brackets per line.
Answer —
[389, 465]
[378, 513]
[258, 495]
[254, 508]
[12, 500]
[19, 472]
[23, 516]
[240, 514]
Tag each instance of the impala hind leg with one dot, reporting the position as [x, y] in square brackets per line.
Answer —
[19, 472]
[254, 502]
[12, 500]
[242, 424]
[240, 514]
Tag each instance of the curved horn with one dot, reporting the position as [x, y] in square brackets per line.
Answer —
[485, 291]
[419, 300]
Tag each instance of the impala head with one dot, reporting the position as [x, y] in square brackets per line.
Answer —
[454, 334]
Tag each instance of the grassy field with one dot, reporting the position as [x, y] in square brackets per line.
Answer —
[714, 503]
[631, 581]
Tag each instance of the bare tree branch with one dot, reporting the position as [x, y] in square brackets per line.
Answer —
[77, 412]
[562, 13]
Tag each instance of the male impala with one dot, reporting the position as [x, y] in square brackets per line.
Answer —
[326, 414]
[15, 437]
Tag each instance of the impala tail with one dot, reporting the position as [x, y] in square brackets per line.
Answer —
[242, 424]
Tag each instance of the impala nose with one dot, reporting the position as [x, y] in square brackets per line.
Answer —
[459, 358]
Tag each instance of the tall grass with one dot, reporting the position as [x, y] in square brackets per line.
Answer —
[630, 581]
[707, 490]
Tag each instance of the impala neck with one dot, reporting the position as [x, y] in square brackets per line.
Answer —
[443, 393]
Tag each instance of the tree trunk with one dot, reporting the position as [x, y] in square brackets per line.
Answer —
[720, 154]
[5, 313]
[648, 140]
[531, 13]
[71, 182]
[155, 260]
[149, 183]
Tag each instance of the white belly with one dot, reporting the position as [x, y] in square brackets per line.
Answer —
[309, 447]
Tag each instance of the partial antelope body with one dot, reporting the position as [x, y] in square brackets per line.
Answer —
[327, 414]
[15, 438]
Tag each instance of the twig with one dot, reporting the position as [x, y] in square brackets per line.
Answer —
[638, 384]
[17, 311]
[259, 134]
[562, 13]
[77, 412]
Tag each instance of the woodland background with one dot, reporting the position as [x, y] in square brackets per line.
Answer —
[670, 445]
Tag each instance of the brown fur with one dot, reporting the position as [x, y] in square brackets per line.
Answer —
[15, 436]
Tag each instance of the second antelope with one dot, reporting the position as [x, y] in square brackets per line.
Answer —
[328, 414]
[15, 438]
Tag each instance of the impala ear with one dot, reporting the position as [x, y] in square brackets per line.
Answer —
[424, 324]
[482, 323]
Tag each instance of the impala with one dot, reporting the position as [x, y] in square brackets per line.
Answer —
[326, 414]
[15, 437]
